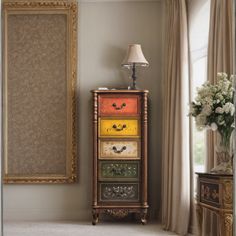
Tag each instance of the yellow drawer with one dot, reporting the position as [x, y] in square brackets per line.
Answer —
[109, 127]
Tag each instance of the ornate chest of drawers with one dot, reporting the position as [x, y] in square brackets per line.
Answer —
[120, 153]
[215, 193]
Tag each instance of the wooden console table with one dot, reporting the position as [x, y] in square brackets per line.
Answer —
[215, 192]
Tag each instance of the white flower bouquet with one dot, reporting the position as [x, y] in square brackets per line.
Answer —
[213, 107]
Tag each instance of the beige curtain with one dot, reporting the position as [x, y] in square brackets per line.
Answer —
[220, 59]
[220, 53]
[176, 158]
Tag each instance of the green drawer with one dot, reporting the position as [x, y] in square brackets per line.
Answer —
[118, 170]
[119, 192]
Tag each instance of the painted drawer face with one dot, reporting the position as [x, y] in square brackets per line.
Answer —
[114, 192]
[122, 105]
[119, 127]
[119, 149]
[209, 193]
[118, 170]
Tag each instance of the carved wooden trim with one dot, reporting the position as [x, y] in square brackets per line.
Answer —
[95, 148]
[118, 213]
[145, 147]
[61, 4]
[226, 229]
[227, 194]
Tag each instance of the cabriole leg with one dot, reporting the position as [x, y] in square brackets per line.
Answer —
[144, 216]
[95, 217]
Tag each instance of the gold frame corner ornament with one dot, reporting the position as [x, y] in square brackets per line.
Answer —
[70, 8]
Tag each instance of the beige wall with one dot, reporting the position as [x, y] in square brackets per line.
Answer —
[105, 30]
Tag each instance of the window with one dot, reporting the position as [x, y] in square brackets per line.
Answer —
[199, 14]
[198, 137]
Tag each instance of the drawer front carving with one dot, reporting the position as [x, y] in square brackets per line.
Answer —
[228, 194]
[122, 105]
[119, 127]
[111, 192]
[119, 170]
[119, 149]
[209, 193]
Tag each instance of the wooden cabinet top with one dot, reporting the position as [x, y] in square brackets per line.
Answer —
[119, 91]
[213, 175]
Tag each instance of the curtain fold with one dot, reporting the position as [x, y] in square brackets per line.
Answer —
[221, 50]
[176, 127]
[220, 54]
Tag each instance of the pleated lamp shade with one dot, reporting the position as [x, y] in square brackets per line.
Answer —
[134, 56]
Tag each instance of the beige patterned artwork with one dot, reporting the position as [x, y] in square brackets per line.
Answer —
[39, 91]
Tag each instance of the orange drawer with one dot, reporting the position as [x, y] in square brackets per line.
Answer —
[114, 105]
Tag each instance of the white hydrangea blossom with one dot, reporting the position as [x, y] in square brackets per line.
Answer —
[213, 106]
[232, 111]
[219, 110]
[214, 126]
[228, 108]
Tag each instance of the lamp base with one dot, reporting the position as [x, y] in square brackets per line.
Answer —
[131, 87]
[134, 87]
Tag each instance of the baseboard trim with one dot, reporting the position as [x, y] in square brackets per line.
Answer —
[54, 215]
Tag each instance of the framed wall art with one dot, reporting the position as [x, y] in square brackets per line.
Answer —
[39, 91]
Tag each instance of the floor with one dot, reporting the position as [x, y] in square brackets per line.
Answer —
[82, 229]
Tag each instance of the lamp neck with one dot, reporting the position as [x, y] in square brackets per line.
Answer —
[134, 76]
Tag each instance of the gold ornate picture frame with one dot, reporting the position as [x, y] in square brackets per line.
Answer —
[39, 91]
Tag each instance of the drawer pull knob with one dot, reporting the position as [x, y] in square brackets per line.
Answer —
[119, 127]
[118, 151]
[118, 107]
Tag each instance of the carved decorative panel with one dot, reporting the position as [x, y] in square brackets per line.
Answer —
[119, 149]
[209, 193]
[119, 192]
[40, 40]
[228, 194]
[115, 170]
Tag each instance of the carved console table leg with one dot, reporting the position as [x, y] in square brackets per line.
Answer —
[95, 217]
[199, 219]
[144, 217]
[226, 225]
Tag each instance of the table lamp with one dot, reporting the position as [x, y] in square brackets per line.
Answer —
[133, 58]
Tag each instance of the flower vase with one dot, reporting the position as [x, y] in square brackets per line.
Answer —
[224, 155]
